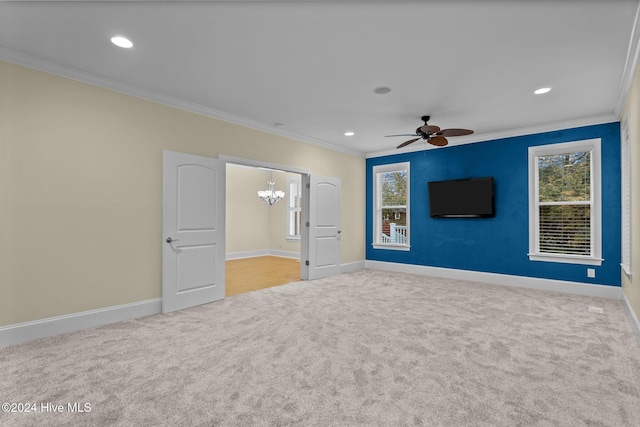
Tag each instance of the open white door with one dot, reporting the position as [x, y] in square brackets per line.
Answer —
[324, 226]
[193, 231]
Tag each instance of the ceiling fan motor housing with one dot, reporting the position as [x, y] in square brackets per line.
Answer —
[419, 132]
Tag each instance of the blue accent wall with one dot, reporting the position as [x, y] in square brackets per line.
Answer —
[499, 244]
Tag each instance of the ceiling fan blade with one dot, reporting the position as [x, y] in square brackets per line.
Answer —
[404, 144]
[454, 132]
[402, 134]
[429, 129]
[438, 141]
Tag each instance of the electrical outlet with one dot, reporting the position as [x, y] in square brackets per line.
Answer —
[591, 272]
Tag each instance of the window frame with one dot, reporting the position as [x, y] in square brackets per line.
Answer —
[290, 209]
[377, 206]
[593, 146]
[625, 170]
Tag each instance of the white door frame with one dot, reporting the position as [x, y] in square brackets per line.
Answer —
[304, 237]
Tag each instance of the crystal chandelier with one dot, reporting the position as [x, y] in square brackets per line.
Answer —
[271, 196]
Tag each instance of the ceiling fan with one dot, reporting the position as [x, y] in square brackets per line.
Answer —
[432, 134]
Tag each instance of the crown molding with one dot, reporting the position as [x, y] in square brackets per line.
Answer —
[471, 139]
[630, 65]
[51, 67]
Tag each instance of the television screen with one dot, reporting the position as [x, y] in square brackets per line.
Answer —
[461, 198]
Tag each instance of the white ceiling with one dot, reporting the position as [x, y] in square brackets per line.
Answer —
[313, 65]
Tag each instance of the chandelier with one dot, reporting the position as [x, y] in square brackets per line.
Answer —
[270, 196]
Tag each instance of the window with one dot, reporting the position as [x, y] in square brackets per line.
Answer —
[391, 206]
[625, 155]
[294, 211]
[565, 203]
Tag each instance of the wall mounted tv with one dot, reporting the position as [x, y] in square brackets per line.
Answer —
[461, 198]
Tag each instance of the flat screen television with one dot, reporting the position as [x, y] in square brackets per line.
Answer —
[461, 198]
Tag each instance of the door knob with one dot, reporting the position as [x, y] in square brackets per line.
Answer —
[170, 240]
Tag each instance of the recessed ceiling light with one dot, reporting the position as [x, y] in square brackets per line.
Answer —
[542, 90]
[382, 90]
[122, 42]
[349, 133]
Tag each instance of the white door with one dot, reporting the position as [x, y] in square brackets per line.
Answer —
[324, 227]
[193, 231]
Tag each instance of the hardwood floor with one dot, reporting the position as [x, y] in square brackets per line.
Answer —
[250, 274]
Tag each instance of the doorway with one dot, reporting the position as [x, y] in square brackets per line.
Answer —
[263, 247]
[194, 187]
[265, 244]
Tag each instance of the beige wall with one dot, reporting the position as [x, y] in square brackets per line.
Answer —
[81, 190]
[251, 224]
[247, 218]
[631, 286]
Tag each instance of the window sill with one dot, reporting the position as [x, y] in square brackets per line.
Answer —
[293, 239]
[567, 259]
[391, 247]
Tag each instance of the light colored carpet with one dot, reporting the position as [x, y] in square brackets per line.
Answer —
[368, 348]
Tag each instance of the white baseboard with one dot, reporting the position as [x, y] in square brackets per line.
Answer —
[247, 254]
[633, 319]
[587, 289]
[262, 252]
[352, 266]
[28, 331]
[22, 332]
[285, 254]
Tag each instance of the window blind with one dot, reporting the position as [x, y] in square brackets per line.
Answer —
[295, 208]
[565, 229]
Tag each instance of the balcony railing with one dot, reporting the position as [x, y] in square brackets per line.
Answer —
[397, 234]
